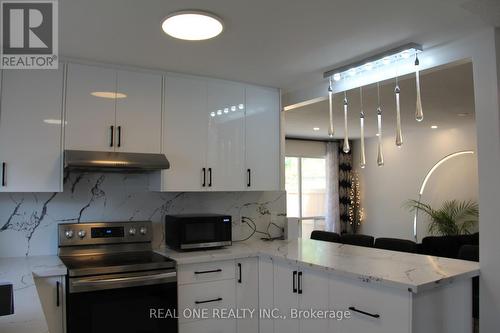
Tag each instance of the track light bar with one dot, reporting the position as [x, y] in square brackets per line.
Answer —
[379, 60]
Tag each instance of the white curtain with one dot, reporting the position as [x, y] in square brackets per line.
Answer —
[332, 218]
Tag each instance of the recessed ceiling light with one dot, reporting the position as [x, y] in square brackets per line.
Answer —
[108, 94]
[462, 114]
[54, 121]
[315, 128]
[434, 126]
[192, 25]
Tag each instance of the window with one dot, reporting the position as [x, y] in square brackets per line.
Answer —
[305, 184]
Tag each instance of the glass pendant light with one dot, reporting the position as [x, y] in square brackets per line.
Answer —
[345, 147]
[362, 157]
[380, 155]
[419, 114]
[399, 134]
[331, 130]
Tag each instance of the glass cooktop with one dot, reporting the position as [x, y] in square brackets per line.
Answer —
[96, 264]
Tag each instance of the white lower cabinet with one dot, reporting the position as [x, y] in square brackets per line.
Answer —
[208, 326]
[271, 284]
[206, 291]
[207, 299]
[295, 289]
[214, 289]
[373, 308]
[247, 296]
[52, 296]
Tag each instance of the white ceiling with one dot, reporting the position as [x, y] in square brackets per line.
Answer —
[281, 43]
[446, 92]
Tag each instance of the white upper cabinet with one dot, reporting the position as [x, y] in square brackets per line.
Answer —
[185, 134]
[226, 138]
[90, 119]
[138, 115]
[262, 139]
[30, 130]
[220, 136]
[109, 110]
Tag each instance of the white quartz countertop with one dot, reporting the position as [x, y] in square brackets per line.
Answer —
[394, 269]
[20, 271]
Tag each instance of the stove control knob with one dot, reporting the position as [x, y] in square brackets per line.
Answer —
[68, 234]
[132, 231]
[82, 233]
[143, 230]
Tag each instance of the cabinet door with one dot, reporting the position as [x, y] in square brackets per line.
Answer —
[90, 108]
[51, 293]
[262, 143]
[266, 293]
[30, 130]
[385, 309]
[211, 297]
[185, 134]
[285, 297]
[208, 326]
[247, 297]
[226, 139]
[138, 115]
[313, 289]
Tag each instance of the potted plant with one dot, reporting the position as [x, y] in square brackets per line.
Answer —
[453, 218]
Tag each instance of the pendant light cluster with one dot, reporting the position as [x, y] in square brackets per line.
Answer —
[403, 52]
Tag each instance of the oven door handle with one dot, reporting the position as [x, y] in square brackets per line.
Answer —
[121, 282]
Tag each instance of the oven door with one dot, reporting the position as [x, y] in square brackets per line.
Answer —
[125, 303]
[205, 233]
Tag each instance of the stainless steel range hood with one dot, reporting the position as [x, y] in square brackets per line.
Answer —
[114, 161]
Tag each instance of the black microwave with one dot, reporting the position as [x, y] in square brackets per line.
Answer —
[197, 231]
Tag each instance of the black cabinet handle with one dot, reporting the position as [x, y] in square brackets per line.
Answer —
[249, 177]
[204, 170]
[4, 169]
[299, 283]
[239, 269]
[119, 136]
[209, 177]
[112, 137]
[208, 272]
[352, 308]
[294, 278]
[58, 286]
[218, 299]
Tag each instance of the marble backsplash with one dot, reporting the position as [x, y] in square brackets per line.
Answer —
[28, 221]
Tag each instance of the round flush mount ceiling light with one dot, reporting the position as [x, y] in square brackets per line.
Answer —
[192, 25]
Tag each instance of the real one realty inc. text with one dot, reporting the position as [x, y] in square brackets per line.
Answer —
[248, 313]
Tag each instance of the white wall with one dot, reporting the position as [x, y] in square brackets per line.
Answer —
[304, 148]
[385, 189]
[483, 47]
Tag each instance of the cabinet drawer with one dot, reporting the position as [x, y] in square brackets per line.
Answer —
[205, 272]
[209, 295]
[209, 326]
[379, 309]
